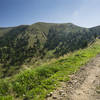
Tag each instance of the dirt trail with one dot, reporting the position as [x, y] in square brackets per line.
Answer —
[83, 85]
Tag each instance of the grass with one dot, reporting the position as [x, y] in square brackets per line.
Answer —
[6, 98]
[37, 83]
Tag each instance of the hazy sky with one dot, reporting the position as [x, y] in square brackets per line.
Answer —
[85, 13]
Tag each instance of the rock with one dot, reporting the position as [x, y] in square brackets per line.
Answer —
[51, 93]
[54, 97]
[75, 81]
[71, 76]
[70, 82]
[63, 94]
[64, 87]
[70, 87]
[61, 91]
[48, 95]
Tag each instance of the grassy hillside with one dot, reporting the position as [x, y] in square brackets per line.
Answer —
[34, 84]
[28, 44]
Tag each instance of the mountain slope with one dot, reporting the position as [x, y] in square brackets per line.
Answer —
[35, 84]
[30, 43]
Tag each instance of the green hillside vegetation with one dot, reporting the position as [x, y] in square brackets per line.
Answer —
[35, 84]
[4, 31]
[29, 44]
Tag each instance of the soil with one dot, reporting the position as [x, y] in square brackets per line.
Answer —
[84, 84]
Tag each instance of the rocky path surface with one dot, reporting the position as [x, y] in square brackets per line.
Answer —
[84, 85]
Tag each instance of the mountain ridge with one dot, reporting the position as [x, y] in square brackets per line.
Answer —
[47, 23]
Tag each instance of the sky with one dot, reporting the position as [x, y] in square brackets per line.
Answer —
[85, 13]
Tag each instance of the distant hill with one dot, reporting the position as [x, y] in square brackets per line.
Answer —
[29, 43]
